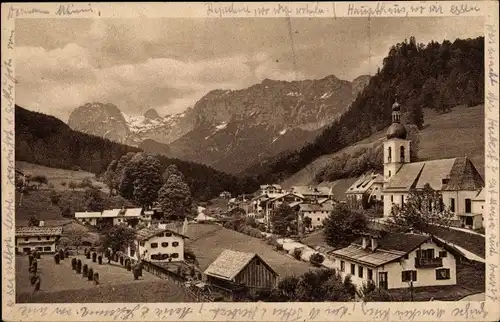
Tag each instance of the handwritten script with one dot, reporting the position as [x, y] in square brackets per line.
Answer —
[60, 10]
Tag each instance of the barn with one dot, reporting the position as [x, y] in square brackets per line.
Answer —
[234, 273]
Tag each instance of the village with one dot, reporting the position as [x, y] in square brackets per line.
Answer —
[393, 235]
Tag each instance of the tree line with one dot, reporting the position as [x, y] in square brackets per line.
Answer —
[436, 76]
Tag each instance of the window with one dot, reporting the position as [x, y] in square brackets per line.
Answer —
[39, 238]
[175, 255]
[468, 206]
[443, 274]
[443, 253]
[26, 239]
[318, 219]
[353, 269]
[407, 276]
[142, 243]
[402, 154]
[369, 274]
[426, 253]
[392, 198]
[154, 245]
[389, 173]
[452, 204]
[441, 204]
[342, 266]
[46, 249]
[175, 244]
[405, 256]
[154, 256]
[360, 271]
[164, 244]
[48, 237]
[402, 200]
[389, 156]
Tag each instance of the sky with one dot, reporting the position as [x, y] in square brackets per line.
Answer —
[169, 63]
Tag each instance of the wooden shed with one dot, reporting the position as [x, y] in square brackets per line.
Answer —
[235, 272]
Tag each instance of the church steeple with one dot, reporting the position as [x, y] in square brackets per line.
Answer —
[396, 130]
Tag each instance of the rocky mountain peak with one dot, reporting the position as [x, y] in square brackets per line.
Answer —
[152, 114]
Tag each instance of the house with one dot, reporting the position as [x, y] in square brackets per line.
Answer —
[367, 188]
[317, 212]
[271, 189]
[44, 239]
[475, 221]
[91, 218]
[158, 245]
[234, 272]
[456, 179]
[312, 192]
[225, 195]
[397, 260]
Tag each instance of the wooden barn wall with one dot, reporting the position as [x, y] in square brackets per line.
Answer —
[256, 274]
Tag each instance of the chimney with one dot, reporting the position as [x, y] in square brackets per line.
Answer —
[374, 244]
[364, 244]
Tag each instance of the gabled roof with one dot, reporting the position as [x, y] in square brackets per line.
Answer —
[111, 213]
[133, 212]
[443, 174]
[391, 246]
[86, 214]
[286, 194]
[28, 231]
[311, 190]
[147, 233]
[364, 182]
[230, 263]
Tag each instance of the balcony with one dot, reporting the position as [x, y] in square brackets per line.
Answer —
[428, 262]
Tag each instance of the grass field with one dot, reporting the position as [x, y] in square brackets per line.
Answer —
[455, 134]
[208, 241]
[57, 176]
[59, 283]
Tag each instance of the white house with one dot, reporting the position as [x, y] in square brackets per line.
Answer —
[44, 239]
[397, 260]
[317, 212]
[86, 217]
[271, 189]
[456, 179]
[312, 192]
[368, 186]
[158, 245]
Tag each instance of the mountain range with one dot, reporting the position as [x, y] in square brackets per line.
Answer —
[230, 130]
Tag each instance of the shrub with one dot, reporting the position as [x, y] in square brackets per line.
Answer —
[55, 197]
[99, 259]
[128, 265]
[61, 254]
[73, 263]
[316, 259]
[87, 255]
[121, 260]
[279, 247]
[189, 255]
[56, 258]
[297, 253]
[90, 274]
[79, 266]
[94, 257]
[85, 270]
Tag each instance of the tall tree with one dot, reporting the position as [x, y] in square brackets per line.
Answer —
[343, 225]
[172, 170]
[148, 181]
[94, 200]
[175, 198]
[109, 176]
[284, 220]
[423, 207]
[118, 238]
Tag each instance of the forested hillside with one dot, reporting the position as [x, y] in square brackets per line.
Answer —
[46, 140]
[436, 76]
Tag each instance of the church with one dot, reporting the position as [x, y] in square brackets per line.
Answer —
[457, 179]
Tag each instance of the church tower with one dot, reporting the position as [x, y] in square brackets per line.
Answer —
[396, 147]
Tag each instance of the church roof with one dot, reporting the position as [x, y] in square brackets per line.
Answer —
[396, 131]
[481, 196]
[443, 174]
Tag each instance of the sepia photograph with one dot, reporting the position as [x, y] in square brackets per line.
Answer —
[314, 159]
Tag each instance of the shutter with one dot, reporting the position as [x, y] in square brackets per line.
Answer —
[414, 276]
[419, 253]
[403, 276]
